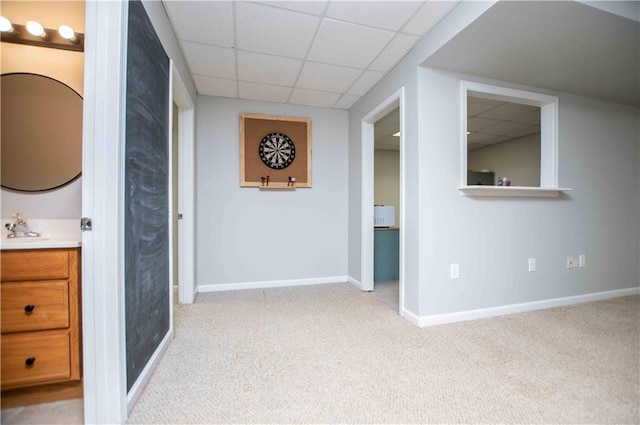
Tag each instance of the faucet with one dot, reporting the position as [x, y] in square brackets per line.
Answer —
[19, 224]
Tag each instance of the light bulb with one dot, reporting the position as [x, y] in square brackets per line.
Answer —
[35, 28]
[66, 32]
[5, 24]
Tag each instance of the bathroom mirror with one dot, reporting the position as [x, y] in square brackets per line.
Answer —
[41, 133]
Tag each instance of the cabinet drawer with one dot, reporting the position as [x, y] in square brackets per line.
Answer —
[50, 354]
[31, 306]
[34, 265]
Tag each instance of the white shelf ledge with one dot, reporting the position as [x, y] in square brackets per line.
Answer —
[512, 191]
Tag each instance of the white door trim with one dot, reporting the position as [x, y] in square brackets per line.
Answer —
[186, 187]
[103, 314]
[367, 232]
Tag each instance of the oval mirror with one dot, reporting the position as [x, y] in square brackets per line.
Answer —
[41, 133]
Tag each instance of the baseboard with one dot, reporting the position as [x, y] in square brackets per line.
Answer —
[136, 390]
[355, 282]
[411, 317]
[270, 284]
[461, 316]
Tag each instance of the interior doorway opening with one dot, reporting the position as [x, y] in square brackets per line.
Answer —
[384, 116]
[386, 239]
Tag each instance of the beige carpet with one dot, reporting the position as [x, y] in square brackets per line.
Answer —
[333, 354]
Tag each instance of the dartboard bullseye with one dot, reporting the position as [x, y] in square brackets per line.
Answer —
[277, 151]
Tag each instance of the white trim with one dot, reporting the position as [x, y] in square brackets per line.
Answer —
[186, 187]
[103, 313]
[461, 316]
[367, 184]
[355, 283]
[410, 317]
[512, 191]
[172, 227]
[136, 390]
[270, 284]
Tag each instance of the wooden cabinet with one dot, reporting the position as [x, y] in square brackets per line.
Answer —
[40, 324]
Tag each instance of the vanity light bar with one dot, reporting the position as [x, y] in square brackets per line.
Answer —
[65, 38]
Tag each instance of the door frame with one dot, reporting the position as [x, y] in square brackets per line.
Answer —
[397, 99]
[186, 189]
[103, 150]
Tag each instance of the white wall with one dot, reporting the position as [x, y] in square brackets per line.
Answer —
[245, 235]
[492, 238]
[403, 75]
[387, 179]
[517, 159]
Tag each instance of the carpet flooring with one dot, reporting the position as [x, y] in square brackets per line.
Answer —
[333, 354]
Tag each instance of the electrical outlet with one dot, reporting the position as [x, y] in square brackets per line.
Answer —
[582, 260]
[532, 264]
[571, 262]
[455, 271]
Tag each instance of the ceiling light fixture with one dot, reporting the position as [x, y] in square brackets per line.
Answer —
[5, 25]
[66, 32]
[34, 34]
[36, 28]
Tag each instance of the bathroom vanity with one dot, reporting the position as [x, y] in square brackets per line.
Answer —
[41, 323]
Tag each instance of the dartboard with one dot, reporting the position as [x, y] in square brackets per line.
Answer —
[277, 151]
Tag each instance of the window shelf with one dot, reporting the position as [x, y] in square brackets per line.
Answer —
[512, 191]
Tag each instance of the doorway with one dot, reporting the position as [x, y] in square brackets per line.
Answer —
[395, 102]
[386, 241]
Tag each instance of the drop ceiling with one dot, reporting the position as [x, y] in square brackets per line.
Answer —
[315, 53]
[489, 121]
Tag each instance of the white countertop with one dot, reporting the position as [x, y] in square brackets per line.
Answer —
[53, 234]
[40, 242]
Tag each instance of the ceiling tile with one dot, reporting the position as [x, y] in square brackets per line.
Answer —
[274, 31]
[525, 132]
[210, 61]
[391, 117]
[495, 139]
[366, 81]
[313, 98]
[530, 118]
[204, 22]
[385, 129]
[346, 101]
[215, 86]
[477, 124]
[315, 7]
[263, 92]
[505, 128]
[380, 14]
[477, 137]
[322, 76]
[395, 51]
[275, 70]
[508, 111]
[477, 106]
[341, 43]
[428, 16]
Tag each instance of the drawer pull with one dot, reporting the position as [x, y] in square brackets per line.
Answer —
[29, 308]
[30, 361]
